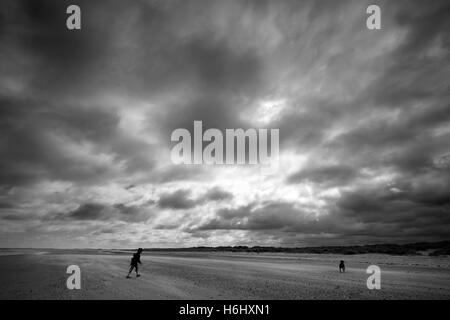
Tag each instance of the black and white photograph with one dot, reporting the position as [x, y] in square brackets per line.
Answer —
[216, 150]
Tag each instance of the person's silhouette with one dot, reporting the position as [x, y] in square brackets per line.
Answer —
[134, 262]
[342, 266]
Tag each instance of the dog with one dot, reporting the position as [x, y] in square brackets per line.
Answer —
[341, 267]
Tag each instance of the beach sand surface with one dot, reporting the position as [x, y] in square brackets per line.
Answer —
[38, 274]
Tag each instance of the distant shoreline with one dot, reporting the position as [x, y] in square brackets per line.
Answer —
[431, 249]
[421, 248]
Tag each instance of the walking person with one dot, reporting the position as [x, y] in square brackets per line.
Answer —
[135, 260]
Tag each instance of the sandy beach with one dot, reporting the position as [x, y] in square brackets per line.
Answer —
[38, 274]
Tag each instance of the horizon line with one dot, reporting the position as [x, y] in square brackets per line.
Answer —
[236, 246]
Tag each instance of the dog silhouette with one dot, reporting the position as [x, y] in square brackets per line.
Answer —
[341, 266]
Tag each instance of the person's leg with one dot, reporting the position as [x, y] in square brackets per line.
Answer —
[137, 271]
[129, 272]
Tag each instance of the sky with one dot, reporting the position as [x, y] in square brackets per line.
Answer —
[86, 118]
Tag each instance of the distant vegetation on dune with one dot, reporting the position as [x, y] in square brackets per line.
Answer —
[432, 249]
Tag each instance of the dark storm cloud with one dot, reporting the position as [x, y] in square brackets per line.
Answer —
[38, 137]
[378, 201]
[103, 55]
[279, 216]
[414, 75]
[219, 69]
[60, 58]
[426, 23]
[414, 212]
[92, 61]
[103, 212]
[6, 205]
[367, 213]
[217, 194]
[407, 143]
[221, 80]
[182, 199]
[18, 217]
[88, 211]
[177, 200]
[330, 175]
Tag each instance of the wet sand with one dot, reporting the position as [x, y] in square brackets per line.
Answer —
[42, 275]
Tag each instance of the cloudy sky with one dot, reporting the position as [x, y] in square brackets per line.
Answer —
[86, 118]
